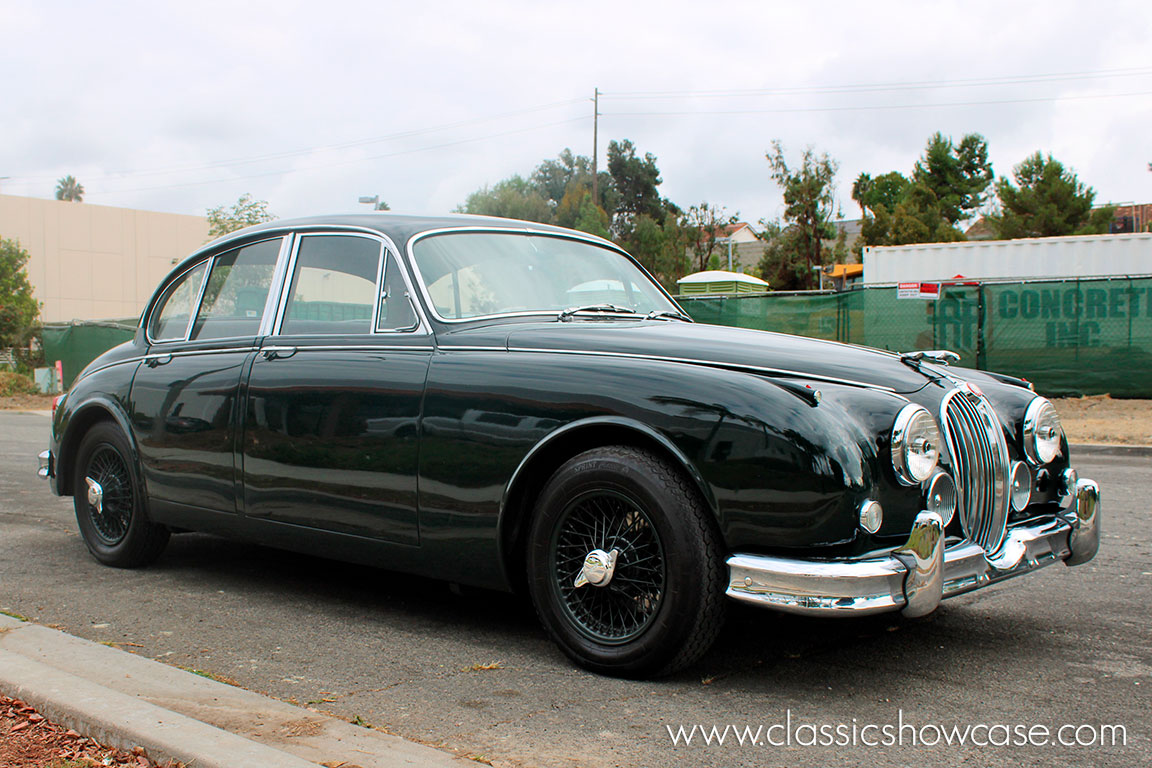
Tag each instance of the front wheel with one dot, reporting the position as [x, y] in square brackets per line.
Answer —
[109, 503]
[624, 566]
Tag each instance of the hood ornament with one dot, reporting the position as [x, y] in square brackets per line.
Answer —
[938, 356]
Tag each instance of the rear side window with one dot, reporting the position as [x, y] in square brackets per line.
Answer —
[174, 310]
[237, 291]
[333, 287]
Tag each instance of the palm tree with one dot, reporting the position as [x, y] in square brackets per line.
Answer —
[69, 189]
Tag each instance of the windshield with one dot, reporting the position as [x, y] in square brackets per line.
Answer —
[473, 274]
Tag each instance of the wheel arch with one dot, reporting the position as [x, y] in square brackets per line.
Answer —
[92, 412]
[542, 461]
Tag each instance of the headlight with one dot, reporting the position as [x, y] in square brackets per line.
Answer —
[1042, 432]
[915, 445]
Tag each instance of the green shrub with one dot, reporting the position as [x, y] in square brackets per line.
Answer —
[16, 384]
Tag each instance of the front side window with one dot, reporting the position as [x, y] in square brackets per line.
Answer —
[237, 291]
[174, 310]
[472, 274]
[333, 286]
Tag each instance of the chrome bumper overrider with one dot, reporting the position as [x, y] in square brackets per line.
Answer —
[47, 465]
[915, 577]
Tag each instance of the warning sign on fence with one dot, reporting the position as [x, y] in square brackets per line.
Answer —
[929, 291]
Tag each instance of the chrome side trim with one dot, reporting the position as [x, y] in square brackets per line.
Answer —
[711, 363]
[106, 367]
[197, 352]
[47, 468]
[917, 576]
[356, 347]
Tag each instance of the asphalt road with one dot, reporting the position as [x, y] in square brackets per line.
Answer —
[1059, 647]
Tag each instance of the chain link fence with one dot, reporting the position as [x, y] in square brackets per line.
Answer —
[1069, 337]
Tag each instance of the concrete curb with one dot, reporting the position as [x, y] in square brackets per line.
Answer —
[1105, 449]
[124, 700]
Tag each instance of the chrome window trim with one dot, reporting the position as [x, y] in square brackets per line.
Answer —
[272, 304]
[211, 262]
[150, 315]
[576, 236]
[422, 328]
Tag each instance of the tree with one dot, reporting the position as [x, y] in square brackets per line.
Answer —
[18, 307]
[69, 189]
[635, 180]
[916, 218]
[513, 198]
[704, 224]
[245, 213]
[957, 175]
[808, 207]
[782, 265]
[885, 191]
[1047, 200]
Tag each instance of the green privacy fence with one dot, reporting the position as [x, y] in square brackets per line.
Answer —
[77, 344]
[1069, 337]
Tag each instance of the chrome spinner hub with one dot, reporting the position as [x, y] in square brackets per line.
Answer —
[599, 567]
[95, 495]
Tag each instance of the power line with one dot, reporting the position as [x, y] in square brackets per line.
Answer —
[351, 161]
[895, 86]
[870, 107]
[320, 148]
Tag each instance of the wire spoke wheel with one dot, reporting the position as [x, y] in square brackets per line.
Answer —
[111, 515]
[622, 606]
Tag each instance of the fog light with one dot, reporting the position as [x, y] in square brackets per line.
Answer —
[871, 516]
[941, 496]
[1021, 486]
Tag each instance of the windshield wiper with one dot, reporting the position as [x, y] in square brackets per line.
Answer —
[596, 308]
[668, 313]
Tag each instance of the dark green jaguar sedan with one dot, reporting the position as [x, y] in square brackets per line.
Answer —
[511, 405]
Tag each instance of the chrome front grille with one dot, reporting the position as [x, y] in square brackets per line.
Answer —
[979, 464]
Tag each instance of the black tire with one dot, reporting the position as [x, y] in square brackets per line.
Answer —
[116, 528]
[663, 605]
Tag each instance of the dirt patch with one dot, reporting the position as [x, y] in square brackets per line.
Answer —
[26, 403]
[28, 740]
[1100, 419]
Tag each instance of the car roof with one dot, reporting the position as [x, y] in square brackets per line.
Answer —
[399, 227]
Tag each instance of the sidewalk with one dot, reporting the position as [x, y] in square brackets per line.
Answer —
[124, 700]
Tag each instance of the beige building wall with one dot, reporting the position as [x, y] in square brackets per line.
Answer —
[96, 262]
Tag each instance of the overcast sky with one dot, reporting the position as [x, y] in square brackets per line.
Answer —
[309, 105]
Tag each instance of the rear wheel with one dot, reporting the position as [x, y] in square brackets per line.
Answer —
[624, 566]
[109, 505]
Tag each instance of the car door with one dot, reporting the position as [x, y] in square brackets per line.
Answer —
[332, 415]
[202, 333]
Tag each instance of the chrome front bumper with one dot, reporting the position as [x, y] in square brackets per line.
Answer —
[915, 577]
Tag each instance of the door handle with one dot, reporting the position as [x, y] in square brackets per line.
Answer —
[278, 353]
[155, 360]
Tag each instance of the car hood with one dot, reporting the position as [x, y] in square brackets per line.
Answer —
[792, 356]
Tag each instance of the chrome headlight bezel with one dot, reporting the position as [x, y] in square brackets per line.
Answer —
[1043, 433]
[916, 441]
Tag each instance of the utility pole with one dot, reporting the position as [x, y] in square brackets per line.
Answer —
[595, 141]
